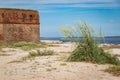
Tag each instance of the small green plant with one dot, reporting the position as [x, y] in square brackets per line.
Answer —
[23, 45]
[63, 64]
[15, 61]
[0, 49]
[5, 54]
[87, 46]
[34, 54]
[50, 69]
[115, 70]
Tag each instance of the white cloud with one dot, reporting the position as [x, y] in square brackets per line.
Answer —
[43, 4]
[95, 5]
[16, 1]
[71, 1]
[50, 1]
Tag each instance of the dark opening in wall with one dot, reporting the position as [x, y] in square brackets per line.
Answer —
[31, 17]
[3, 15]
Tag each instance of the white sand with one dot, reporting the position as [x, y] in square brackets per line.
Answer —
[50, 67]
[114, 51]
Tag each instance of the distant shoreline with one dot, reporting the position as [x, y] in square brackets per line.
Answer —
[108, 39]
[97, 37]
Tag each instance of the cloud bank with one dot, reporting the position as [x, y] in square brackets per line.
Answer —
[49, 5]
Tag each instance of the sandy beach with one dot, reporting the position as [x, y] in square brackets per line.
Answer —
[52, 67]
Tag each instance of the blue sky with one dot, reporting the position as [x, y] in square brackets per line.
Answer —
[57, 14]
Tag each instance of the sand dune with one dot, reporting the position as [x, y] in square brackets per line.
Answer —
[50, 67]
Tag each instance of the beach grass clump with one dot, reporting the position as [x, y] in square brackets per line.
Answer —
[38, 53]
[115, 70]
[87, 46]
[23, 45]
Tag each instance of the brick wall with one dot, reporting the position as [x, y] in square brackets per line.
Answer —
[19, 25]
[1, 33]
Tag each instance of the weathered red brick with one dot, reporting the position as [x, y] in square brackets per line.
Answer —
[19, 25]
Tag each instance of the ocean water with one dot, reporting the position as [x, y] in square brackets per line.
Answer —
[108, 40]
